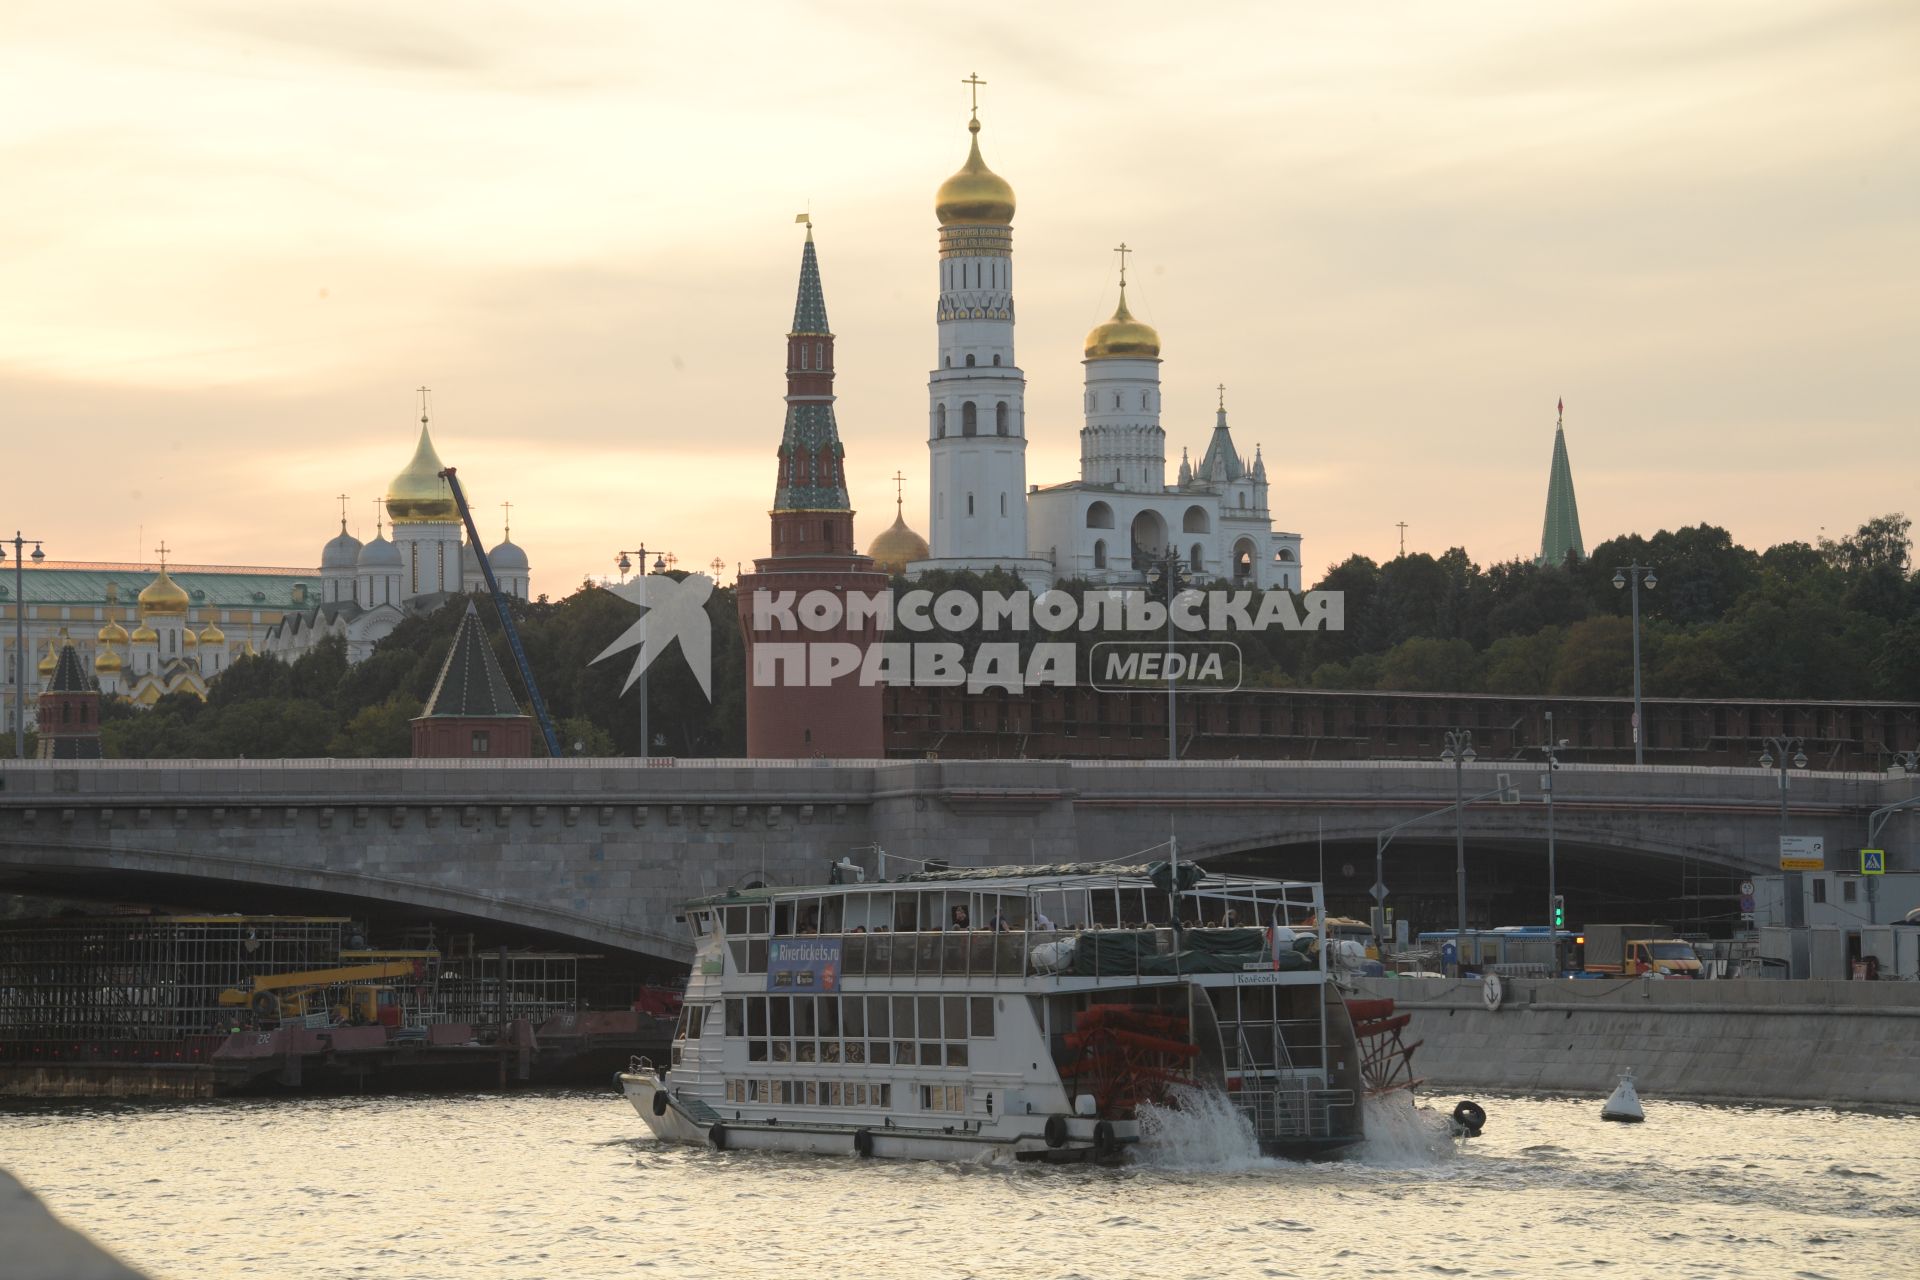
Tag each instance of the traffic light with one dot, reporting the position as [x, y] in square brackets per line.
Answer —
[1559, 912]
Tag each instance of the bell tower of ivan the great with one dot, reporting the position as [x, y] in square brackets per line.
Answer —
[803, 700]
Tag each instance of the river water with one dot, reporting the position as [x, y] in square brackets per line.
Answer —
[569, 1185]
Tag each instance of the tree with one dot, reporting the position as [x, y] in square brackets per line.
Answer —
[1595, 659]
[384, 729]
[1425, 664]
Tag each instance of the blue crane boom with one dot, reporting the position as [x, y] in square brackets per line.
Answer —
[506, 616]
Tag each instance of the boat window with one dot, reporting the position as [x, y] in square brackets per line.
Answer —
[756, 955]
[757, 920]
[877, 1020]
[757, 1017]
[906, 917]
[782, 919]
[956, 1055]
[981, 1027]
[805, 1024]
[955, 947]
[853, 955]
[809, 919]
[736, 1019]
[781, 1008]
[832, 914]
[954, 1012]
[903, 1053]
[830, 1017]
[928, 946]
[905, 951]
[903, 1017]
[696, 1014]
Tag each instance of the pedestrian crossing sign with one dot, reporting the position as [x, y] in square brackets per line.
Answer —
[1873, 862]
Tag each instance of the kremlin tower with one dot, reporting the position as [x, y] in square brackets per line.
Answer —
[789, 716]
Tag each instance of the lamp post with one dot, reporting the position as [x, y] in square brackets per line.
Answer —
[1624, 575]
[626, 566]
[1459, 753]
[1551, 749]
[1166, 572]
[1506, 793]
[1781, 748]
[20, 638]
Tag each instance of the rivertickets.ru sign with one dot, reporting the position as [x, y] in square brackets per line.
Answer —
[803, 964]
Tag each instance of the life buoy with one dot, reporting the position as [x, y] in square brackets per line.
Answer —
[266, 1005]
[1470, 1116]
[1056, 1132]
[717, 1137]
[1105, 1140]
[863, 1143]
[659, 1102]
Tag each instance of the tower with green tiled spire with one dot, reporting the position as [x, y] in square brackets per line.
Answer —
[811, 511]
[1560, 537]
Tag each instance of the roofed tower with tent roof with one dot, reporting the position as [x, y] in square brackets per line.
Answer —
[68, 724]
[472, 710]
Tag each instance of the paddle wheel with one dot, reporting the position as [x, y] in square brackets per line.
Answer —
[1128, 1054]
[1386, 1061]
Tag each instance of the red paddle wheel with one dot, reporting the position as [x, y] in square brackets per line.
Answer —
[1128, 1054]
[1386, 1061]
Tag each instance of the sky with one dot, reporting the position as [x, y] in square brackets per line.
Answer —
[235, 237]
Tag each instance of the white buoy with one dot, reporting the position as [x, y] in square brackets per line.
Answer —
[1624, 1105]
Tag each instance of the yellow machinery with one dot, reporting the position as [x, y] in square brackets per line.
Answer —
[287, 995]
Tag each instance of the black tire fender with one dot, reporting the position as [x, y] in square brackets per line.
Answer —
[1470, 1116]
[659, 1102]
[266, 1005]
[717, 1137]
[1105, 1140]
[863, 1143]
[1056, 1132]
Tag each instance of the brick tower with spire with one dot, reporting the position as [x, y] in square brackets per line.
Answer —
[68, 727]
[788, 715]
[1560, 533]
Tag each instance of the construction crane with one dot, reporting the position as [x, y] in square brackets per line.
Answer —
[506, 615]
[286, 995]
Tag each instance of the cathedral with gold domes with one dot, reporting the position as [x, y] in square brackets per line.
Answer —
[1120, 516]
[145, 631]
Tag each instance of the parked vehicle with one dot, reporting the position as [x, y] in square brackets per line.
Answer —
[1632, 949]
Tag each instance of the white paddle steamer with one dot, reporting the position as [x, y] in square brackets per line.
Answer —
[1024, 1012]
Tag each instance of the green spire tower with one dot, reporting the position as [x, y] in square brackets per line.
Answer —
[1560, 537]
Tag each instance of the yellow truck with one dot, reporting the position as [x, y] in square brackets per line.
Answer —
[1633, 949]
[367, 995]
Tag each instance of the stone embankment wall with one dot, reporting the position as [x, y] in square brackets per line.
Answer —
[1827, 1043]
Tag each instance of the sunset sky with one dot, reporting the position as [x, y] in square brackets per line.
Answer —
[235, 236]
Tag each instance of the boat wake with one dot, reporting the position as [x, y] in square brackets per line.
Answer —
[1401, 1135]
[1199, 1129]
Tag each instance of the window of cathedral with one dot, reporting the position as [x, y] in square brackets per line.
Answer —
[970, 362]
[949, 362]
[1243, 502]
[1283, 555]
[482, 742]
[1099, 516]
[1195, 520]
[819, 355]
[969, 419]
[969, 504]
[940, 421]
[1000, 418]
[803, 355]
[996, 362]
[1195, 561]
[1099, 553]
[1003, 504]
[1116, 399]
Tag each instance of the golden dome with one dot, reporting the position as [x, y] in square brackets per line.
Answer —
[52, 660]
[163, 596]
[107, 661]
[418, 495]
[213, 634]
[188, 640]
[976, 195]
[898, 546]
[1123, 337]
[144, 634]
[113, 633]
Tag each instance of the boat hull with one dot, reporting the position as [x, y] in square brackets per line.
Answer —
[672, 1119]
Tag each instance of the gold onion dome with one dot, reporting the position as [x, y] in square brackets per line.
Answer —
[107, 661]
[113, 633]
[1123, 337]
[188, 640]
[213, 634]
[163, 596]
[418, 495]
[144, 634]
[975, 196]
[897, 546]
[51, 661]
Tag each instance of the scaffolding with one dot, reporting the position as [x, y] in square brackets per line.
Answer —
[493, 988]
[123, 985]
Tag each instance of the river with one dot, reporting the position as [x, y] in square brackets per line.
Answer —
[567, 1184]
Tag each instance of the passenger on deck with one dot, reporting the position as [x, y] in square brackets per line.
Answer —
[1231, 920]
[960, 918]
[1040, 921]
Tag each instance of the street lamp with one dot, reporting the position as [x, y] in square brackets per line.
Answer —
[626, 566]
[1459, 753]
[1780, 748]
[1622, 576]
[1551, 749]
[20, 637]
[1166, 571]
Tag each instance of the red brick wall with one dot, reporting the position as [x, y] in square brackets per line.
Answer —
[451, 737]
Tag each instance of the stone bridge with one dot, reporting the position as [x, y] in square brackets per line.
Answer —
[599, 851]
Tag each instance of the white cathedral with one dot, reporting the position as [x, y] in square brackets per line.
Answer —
[1121, 516]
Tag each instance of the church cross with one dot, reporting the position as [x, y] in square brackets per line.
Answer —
[1222, 389]
[899, 490]
[975, 81]
[1123, 251]
[507, 520]
[379, 509]
[423, 405]
[343, 511]
[162, 549]
[1402, 526]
